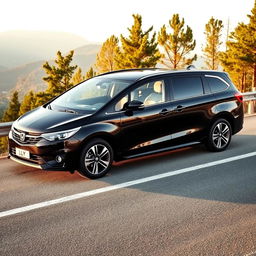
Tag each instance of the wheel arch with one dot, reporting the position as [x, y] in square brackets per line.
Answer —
[104, 136]
[223, 115]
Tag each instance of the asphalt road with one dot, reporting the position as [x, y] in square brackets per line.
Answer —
[207, 211]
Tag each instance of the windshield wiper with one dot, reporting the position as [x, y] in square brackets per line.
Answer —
[64, 110]
[70, 111]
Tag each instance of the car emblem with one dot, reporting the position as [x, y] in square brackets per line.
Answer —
[22, 136]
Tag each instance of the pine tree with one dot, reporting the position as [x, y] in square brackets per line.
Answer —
[28, 103]
[12, 111]
[211, 50]
[240, 57]
[177, 44]
[106, 57]
[78, 77]
[59, 76]
[138, 50]
[90, 73]
[250, 43]
[234, 60]
[3, 144]
[41, 98]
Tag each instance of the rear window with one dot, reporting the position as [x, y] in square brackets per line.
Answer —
[186, 87]
[216, 84]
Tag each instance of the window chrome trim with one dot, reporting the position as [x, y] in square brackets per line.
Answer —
[221, 79]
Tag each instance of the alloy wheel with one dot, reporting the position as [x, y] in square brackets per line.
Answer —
[221, 135]
[97, 159]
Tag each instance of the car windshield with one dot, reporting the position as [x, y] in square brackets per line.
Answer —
[89, 96]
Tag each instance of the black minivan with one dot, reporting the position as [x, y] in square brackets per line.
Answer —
[125, 114]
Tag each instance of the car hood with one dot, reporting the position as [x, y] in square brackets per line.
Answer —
[43, 120]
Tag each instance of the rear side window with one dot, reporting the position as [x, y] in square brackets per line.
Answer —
[216, 84]
[186, 87]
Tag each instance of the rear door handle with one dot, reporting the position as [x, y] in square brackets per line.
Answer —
[179, 108]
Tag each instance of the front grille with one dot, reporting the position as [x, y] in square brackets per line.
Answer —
[33, 158]
[25, 138]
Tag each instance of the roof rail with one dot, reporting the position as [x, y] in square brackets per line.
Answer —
[131, 69]
[190, 67]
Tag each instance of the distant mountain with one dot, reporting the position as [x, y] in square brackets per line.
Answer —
[85, 56]
[22, 47]
[29, 77]
[9, 77]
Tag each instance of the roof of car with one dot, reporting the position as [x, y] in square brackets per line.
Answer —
[137, 74]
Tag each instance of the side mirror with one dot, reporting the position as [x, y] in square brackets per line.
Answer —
[133, 105]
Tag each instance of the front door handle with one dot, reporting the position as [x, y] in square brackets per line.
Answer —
[164, 111]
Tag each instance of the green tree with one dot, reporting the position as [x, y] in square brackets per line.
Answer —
[28, 103]
[10, 114]
[105, 61]
[177, 44]
[41, 98]
[59, 77]
[138, 50]
[240, 57]
[249, 43]
[211, 50]
[90, 73]
[234, 59]
[78, 77]
[12, 111]
[3, 144]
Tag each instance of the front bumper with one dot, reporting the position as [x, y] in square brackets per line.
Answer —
[20, 161]
[43, 154]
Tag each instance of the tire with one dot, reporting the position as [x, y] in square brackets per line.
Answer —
[96, 159]
[219, 136]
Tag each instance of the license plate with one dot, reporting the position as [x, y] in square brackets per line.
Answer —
[22, 153]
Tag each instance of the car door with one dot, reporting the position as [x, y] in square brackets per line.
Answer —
[188, 111]
[143, 129]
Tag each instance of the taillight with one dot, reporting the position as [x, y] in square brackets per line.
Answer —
[239, 97]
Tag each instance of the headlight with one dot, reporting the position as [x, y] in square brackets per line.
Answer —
[60, 135]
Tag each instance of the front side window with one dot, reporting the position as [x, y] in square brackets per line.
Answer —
[186, 87]
[150, 93]
[90, 95]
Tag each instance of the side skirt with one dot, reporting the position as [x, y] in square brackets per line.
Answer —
[161, 150]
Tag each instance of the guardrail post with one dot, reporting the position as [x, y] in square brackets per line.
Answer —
[250, 107]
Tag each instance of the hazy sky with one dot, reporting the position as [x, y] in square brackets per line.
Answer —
[98, 19]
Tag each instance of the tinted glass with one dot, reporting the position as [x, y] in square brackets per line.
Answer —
[216, 85]
[186, 87]
[90, 95]
[150, 93]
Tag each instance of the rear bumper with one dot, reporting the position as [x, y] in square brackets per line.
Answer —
[238, 123]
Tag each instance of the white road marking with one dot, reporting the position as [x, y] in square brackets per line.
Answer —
[122, 185]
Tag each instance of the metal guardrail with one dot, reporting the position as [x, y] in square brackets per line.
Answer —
[249, 97]
[5, 128]
[249, 102]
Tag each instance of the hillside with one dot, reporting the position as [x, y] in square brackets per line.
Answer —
[9, 77]
[22, 47]
[29, 77]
